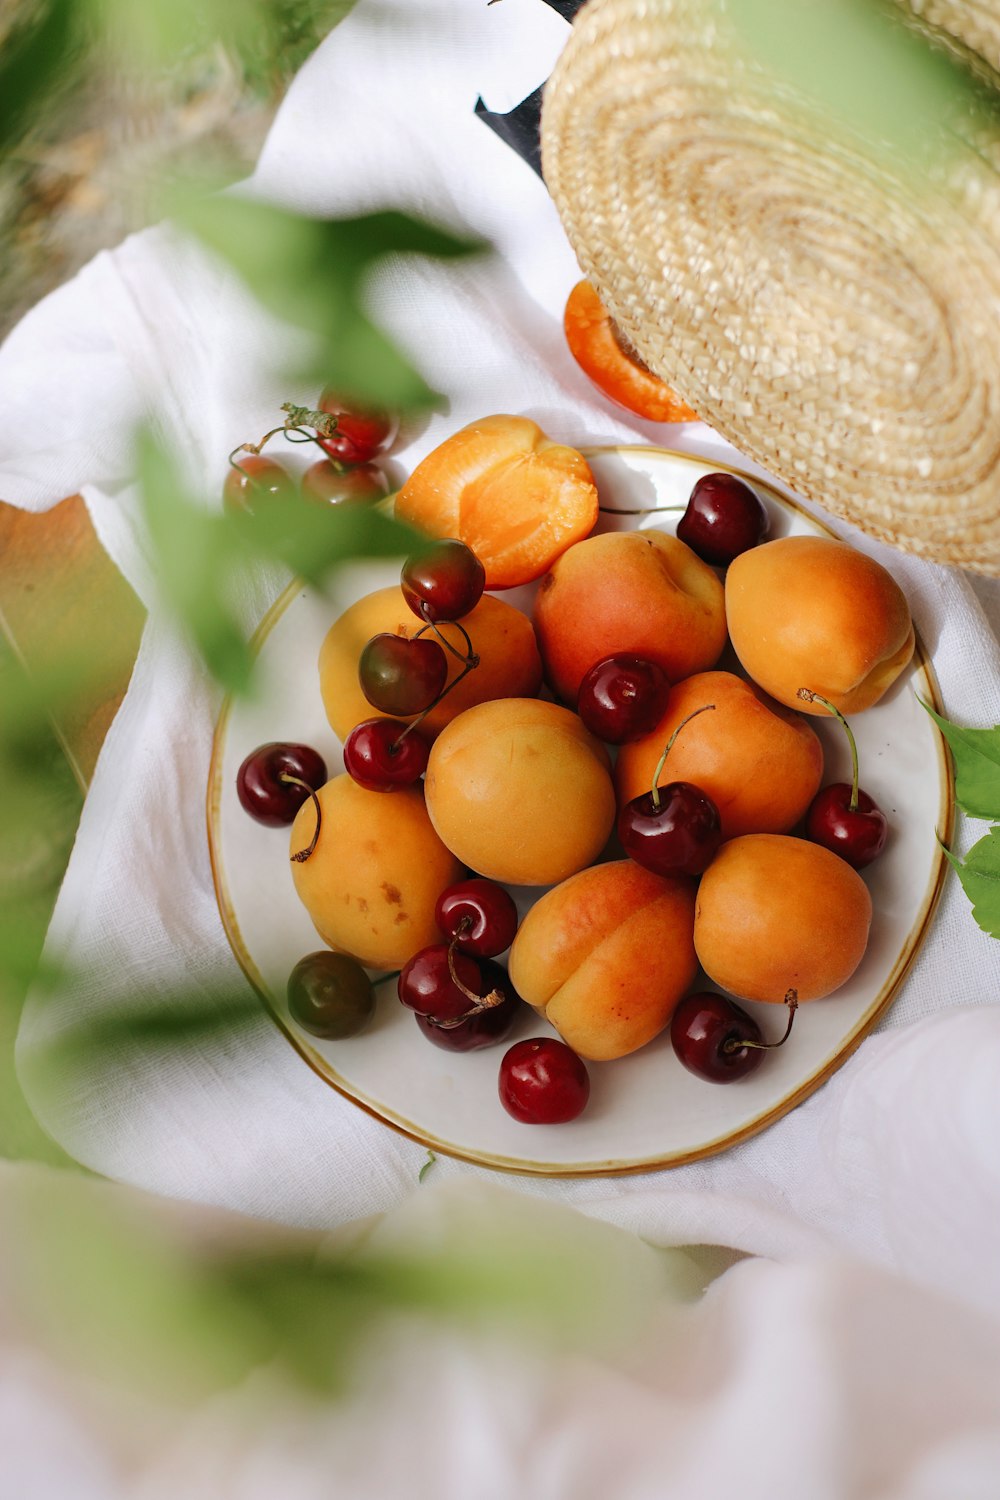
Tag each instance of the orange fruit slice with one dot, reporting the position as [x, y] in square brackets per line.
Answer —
[616, 370]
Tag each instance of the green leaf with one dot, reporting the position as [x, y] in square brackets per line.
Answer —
[312, 539]
[976, 755]
[194, 567]
[431, 1159]
[311, 273]
[200, 555]
[271, 39]
[980, 877]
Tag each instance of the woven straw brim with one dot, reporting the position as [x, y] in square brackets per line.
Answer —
[833, 322]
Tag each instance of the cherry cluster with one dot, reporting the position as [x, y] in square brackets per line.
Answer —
[406, 676]
[463, 1000]
[352, 440]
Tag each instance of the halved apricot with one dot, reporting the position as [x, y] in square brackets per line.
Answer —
[512, 495]
[617, 371]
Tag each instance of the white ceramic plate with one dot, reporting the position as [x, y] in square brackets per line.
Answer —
[645, 1111]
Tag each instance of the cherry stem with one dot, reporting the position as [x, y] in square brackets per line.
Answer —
[662, 760]
[253, 448]
[808, 696]
[646, 510]
[469, 664]
[301, 855]
[737, 1044]
[432, 625]
[294, 427]
[479, 1002]
[325, 423]
[300, 435]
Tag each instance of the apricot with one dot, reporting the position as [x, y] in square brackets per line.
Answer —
[506, 490]
[637, 592]
[509, 663]
[776, 913]
[606, 955]
[812, 612]
[614, 366]
[371, 883]
[520, 792]
[760, 763]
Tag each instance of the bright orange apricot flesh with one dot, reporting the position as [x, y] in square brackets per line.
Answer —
[616, 370]
[506, 490]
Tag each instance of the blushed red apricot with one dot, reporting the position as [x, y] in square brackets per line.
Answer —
[606, 955]
[633, 593]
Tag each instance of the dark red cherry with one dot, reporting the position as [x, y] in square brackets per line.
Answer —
[255, 475]
[332, 484]
[330, 995]
[479, 914]
[402, 676]
[724, 517]
[360, 435]
[543, 1082]
[622, 698]
[857, 835]
[677, 837]
[709, 1033]
[275, 780]
[382, 755]
[444, 581]
[427, 985]
[486, 1027]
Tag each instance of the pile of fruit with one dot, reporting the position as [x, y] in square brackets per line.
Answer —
[675, 811]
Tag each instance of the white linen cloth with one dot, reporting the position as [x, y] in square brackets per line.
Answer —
[829, 1379]
[891, 1165]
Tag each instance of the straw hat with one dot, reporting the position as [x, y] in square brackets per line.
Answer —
[836, 320]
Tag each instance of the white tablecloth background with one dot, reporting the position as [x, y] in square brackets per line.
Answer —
[892, 1164]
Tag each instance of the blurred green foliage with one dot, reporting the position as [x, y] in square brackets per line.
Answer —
[201, 554]
[177, 1309]
[862, 62]
[311, 273]
[41, 52]
[49, 47]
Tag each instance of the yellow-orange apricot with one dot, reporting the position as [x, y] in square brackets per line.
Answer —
[506, 490]
[371, 884]
[642, 593]
[606, 955]
[812, 612]
[617, 371]
[775, 914]
[509, 664]
[520, 792]
[760, 763]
